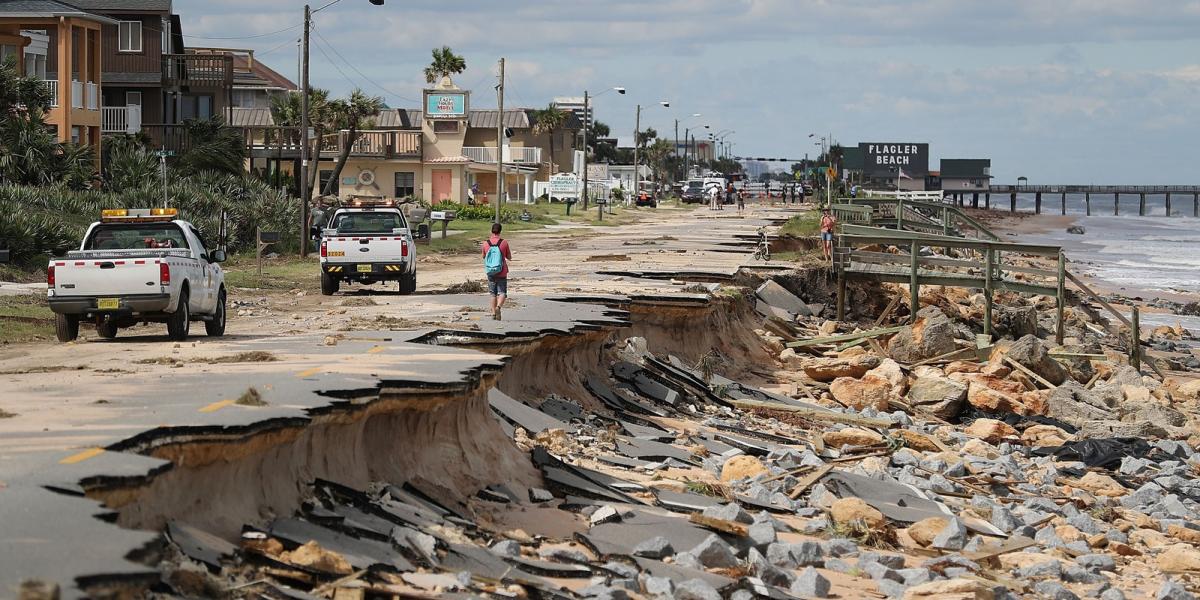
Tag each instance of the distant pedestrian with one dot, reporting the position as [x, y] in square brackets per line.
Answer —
[714, 197]
[730, 192]
[741, 201]
[496, 254]
[827, 225]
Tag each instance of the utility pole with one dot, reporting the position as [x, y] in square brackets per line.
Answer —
[637, 129]
[304, 192]
[500, 143]
[586, 114]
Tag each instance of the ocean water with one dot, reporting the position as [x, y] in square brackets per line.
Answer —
[1140, 254]
[1102, 204]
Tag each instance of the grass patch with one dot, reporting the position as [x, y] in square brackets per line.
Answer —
[706, 489]
[804, 225]
[25, 318]
[284, 272]
[470, 286]
[862, 534]
[4, 414]
[251, 397]
[240, 357]
[43, 369]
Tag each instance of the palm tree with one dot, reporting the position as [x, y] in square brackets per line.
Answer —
[286, 111]
[549, 120]
[214, 147]
[29, 153]
[445, 63]
[356, 112]
[656, 156]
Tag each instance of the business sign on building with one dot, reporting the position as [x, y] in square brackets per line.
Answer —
[883, 159]
[597, 171]
[564, 185]
[445, 105]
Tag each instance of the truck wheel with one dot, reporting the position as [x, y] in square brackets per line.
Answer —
[329, 285]
[107, 329]
[181, 320]
[66, 327]
[216, 327]
[408, 284]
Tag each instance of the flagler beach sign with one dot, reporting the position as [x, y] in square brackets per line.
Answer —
[882, 159]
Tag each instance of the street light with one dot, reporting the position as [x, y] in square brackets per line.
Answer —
[685, 137]
[637, 130]
[305, 193]
[587, 118]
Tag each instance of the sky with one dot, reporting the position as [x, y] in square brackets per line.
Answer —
[1058, 91]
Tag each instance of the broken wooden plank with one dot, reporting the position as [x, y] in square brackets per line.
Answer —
[953, 354]
[809, 480]
[721, 525]
[845, 337]
[887, 312]
[814, 414]
[1014, 544]
[1022, 368]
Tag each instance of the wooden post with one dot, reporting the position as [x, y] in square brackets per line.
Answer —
[1196, 204]
[841, 292]
[1064, 203]
[1135, 340]
[974, 199]
[945, 220]
[1061, 298]
[987, 291]
[987, 200]
[1168, 204]
[1012, 202]
[1142, 205]
[914, 287]
[1087, 202]
[1116, 203]
[899, 214]
[1037, 203]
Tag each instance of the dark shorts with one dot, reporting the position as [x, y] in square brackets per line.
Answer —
[498, 286]
[827, 236]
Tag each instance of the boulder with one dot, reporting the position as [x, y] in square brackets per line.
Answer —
[1073, 404]
[949, 589]
[990, 393]
[1044, 435]
[990, 430]
[1179, 557]
[1152, 412]
[741, 467]
[922, 532]
[1030, 353]
[851, 437]
[889, 370]
[848, 511]
[930, 335]
[962, 366]
[828, 369]
[1189, 390]
[868, 392]
[940, 396]
[1016, 322]
[980, 448]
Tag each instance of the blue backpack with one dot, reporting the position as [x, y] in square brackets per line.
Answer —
[493, 261]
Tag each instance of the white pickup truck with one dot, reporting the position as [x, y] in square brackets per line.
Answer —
[367, 242]
[138, 266]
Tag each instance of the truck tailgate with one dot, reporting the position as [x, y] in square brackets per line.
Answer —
[106, 276]
[366, 249]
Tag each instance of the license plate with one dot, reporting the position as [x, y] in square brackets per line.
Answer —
[108, 303]
[364, 268]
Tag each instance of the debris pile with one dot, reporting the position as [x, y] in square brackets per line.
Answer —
[902, 461]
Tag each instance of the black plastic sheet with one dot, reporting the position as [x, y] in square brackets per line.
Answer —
[1105, 453]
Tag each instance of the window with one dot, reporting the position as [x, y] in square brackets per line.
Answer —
[133, 98]
[245, 98]
[129, 36]
[195, 107]
[135, 236]
[405, 183]
[367, 222]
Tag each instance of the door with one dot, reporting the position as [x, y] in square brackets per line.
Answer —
[441, 185]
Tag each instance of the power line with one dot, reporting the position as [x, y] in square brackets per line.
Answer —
[356, 70]
[244, 37]
[335, 65]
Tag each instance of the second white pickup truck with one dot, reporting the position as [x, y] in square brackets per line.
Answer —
[138, 266]
[366, 242]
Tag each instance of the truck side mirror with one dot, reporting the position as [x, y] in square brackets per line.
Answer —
[217, 256]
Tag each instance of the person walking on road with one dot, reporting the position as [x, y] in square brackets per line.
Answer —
[714, 197]
[827, 225]
[496, 254]
[741, 199]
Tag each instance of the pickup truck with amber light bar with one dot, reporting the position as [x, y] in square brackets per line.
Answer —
[367, 241]
[138, 266]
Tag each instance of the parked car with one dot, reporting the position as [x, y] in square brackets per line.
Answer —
[137, 266]
[366, 242]
[693, 192]
[645, 199]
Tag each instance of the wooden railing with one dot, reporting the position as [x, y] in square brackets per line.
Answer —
[197, 70]
[377, 144]
[916, 215]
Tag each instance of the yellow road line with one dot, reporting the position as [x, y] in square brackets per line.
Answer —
[376, 349]
[82, 456]
[309, 372]
[215, 406]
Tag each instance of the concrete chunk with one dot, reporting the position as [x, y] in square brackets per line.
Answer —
[715, 553]
[811, 584]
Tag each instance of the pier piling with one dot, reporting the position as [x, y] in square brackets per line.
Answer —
[975, 200]
[1087, 203]
[1196, 205]
[1142, 204]
[987, 200]
[1116, 203]
[1168, 204]
[1064, 203]
[1037, 203]
[1012, 202]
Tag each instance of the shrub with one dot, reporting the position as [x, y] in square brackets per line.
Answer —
[479, 212]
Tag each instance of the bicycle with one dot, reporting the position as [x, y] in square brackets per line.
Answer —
[763, 250]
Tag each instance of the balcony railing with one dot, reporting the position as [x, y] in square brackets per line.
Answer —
[512, 154]
[92, 92]
[76, 94]
[53, 85]
[380, 144]
[121, 119]
[197, 70]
